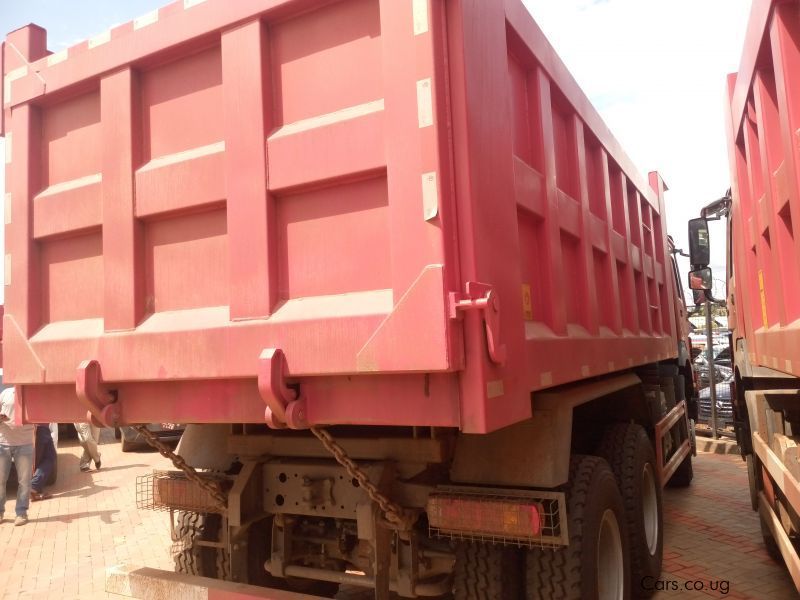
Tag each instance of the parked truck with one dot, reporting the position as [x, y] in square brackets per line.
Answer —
[763, 272]
[385, 258]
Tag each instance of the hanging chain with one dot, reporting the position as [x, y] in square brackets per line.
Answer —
[212, 487]
[394, 514]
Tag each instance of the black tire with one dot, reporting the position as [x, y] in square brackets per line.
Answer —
[259, 541]
[770, 544]
[127, 446]
[117, 433]
[628, 450]
[487, 572]
[680, 388]
[683, 475]
[571, 572]
[194, 559]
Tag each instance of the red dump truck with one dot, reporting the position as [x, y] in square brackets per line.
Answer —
[384, 257]
[764, 267]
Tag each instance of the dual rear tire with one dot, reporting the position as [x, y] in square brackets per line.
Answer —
[615, 526]
[593, 566]
[627, 448]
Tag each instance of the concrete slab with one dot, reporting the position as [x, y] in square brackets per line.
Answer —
[146, 583]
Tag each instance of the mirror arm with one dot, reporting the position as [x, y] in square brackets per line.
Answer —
[713, 300]
[718, 209]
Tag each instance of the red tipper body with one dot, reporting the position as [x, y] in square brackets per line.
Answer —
[398, 213]
[764, 287]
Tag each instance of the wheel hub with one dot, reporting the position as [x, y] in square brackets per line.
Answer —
[610, 561]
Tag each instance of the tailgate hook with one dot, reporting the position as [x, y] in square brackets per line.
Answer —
[103, 409]
[284, 405]
[483, 297]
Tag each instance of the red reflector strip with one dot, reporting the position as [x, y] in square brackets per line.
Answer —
[499, 516]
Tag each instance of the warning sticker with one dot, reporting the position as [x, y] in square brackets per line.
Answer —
[763, 298]
[527, 305]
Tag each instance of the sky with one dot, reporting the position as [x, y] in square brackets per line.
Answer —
[654, 69]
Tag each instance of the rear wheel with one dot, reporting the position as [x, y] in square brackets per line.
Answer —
[487, 572]
[193, 558]
[628, 450]
[595, 564]
[129, 439]
[127, 446]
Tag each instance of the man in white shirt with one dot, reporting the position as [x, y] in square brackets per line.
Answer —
[16, 442]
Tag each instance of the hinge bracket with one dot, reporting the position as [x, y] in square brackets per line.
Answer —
[483, 297]
[103, 410]
[285, 407]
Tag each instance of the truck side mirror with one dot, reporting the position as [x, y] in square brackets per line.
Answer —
[699, 243]
[701, 279]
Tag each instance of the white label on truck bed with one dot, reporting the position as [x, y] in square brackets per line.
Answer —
[420, 9]
[145, 20]
[57, 57]
[430, 195]
[425, 103]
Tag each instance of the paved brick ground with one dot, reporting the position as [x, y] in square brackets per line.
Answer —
[713, 537]
[92, 523]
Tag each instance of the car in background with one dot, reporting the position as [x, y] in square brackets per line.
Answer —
[723, 389]
[132, 440]
[721, 373]
[722, 356]
[723, 369]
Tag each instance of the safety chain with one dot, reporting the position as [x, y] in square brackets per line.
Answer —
[395, 515]
[209, 486]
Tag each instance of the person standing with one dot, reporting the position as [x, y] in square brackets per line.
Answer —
[89, 437]
[45, 462]
[16, 444]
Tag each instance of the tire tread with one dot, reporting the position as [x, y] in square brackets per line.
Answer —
[621, 446]
[557, 573]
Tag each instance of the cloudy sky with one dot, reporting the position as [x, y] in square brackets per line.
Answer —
[655, 70]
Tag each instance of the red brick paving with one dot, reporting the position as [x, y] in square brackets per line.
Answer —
[92, 523]
[713, 536]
